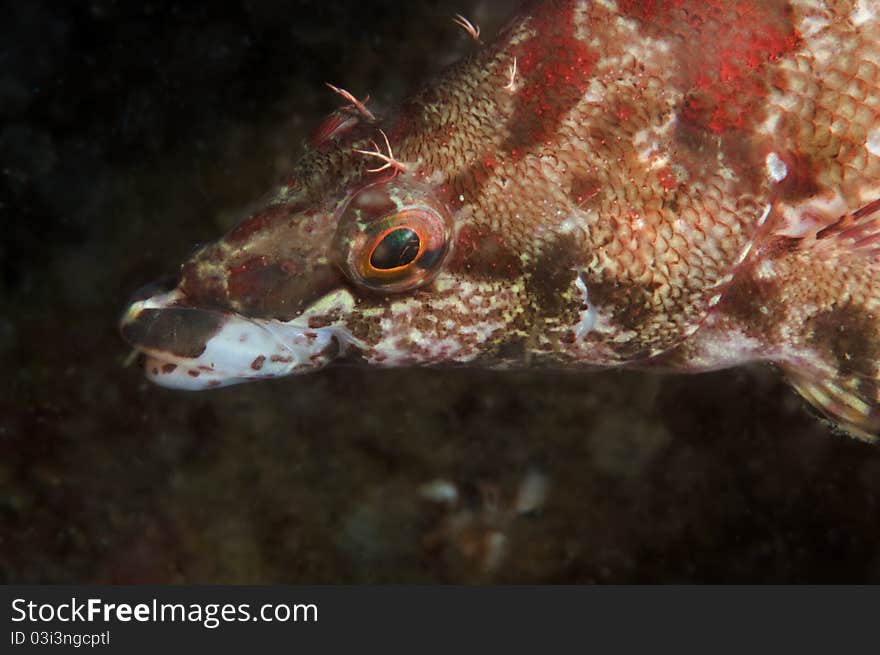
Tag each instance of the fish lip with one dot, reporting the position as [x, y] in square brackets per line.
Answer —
[194, 348]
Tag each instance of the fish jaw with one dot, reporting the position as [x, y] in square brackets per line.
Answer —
[193, 348]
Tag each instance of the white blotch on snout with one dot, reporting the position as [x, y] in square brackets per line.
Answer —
[776, 168]
[244, 350]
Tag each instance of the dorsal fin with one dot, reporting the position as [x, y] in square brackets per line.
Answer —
[858, 230]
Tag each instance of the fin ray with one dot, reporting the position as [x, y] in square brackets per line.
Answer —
[856, 231]
[841, 403]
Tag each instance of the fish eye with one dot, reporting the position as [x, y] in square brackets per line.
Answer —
[400, 252]
[399, 247]
[391, 245]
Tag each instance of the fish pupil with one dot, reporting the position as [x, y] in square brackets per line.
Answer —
[399, 248]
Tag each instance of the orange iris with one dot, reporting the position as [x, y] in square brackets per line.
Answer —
[393, 236]
[401, 251]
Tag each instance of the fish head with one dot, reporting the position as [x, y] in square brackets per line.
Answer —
[366, 271]
[484, 230]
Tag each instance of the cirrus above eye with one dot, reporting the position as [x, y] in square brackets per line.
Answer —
[393, 242]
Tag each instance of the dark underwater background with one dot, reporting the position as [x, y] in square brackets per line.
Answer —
[129, 132]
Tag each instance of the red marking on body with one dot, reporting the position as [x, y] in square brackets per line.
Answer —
[724, 51]
[257, 364]
[481, 252]
[724, 90]
[583, 189]
[554, 69]
[468, 182]
[648, 10]
[667, 178]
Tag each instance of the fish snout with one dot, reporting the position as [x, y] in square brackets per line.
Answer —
[195, 348]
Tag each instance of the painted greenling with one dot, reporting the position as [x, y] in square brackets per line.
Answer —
[672, 185]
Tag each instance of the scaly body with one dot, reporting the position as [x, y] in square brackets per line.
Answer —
[670, 184]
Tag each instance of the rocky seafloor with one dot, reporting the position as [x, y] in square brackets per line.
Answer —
[130, 132]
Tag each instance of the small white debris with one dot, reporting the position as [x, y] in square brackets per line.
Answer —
[439, 491]
[532, 493]
[496, 549]
[568, 226]
[589, 315]
[776, 168]
[766, 270]
[872, 143]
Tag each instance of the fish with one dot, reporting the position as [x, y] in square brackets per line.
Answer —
[663, 185]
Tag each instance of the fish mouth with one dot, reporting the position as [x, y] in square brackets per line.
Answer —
[195, 348]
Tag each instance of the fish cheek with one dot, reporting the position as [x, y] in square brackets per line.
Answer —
[483, 254]
[364, 322]
[278, 290]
